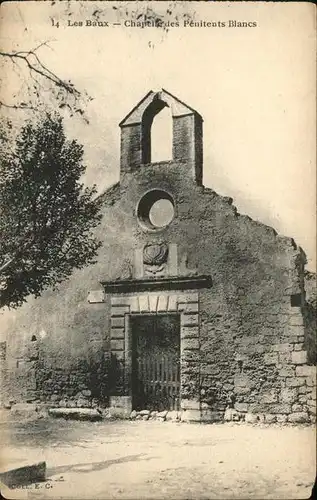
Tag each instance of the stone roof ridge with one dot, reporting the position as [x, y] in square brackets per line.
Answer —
[178, 107]
[234, 211]
[181, 102]
[110, 192]
[136, 107]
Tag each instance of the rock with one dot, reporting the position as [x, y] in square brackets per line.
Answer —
[7, 406]
[251, 418]
[299, 357]
[24, 411]
[281, 418]
[75, 413]
[160, 419]
[162, 414]
[117, 412]
[190, 404]
[153, 414]
[287, 371]
[133, 414]
[299, 418]
[63, 403]
[295, 381]
[236, 417]
[106, 413]
[269, 418]
[86, 392]
[138, 417]
[211, 416]
[204, 406]
[191, 416]
[228, 415]
[231, 415]
[306, 371]
[145, 417]
[288, 395]
[82, 403]
[281, 408]
[144, 412]
[243, 407]
[297, 408]
[270, 358]
[172, 415]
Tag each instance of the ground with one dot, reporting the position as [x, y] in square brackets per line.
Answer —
[156, 460]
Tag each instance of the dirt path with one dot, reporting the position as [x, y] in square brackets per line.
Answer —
[153, 460]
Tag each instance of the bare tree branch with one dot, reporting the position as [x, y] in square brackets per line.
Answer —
[39, 73]
[41, 70]
[17, 106]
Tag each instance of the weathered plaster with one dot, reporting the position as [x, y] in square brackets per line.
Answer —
[252, 350]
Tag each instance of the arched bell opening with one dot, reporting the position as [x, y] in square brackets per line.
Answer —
[157, 132]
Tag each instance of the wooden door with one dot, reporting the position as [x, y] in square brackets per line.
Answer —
[156, 362]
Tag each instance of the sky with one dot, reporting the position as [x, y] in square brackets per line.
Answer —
[254, 86]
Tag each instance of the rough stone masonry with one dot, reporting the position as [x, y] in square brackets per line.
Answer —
[240, 291]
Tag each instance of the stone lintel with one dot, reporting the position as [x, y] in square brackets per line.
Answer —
[153, 301]
[144, 304]
[172, 303]
[162, 303]
[134, 304]
[161, 283]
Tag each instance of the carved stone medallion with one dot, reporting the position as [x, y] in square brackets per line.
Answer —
[155, 258]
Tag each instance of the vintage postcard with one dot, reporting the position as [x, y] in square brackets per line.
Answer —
[157, 250]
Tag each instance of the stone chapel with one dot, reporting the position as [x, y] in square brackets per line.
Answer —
[190, 306]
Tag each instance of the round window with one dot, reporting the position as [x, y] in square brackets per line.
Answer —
[156, 210]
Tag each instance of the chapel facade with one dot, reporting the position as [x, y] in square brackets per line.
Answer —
[190, 307]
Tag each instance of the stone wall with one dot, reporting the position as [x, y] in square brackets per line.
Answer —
[250, 353]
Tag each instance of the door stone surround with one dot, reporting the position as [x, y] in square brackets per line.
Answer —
[186, 304]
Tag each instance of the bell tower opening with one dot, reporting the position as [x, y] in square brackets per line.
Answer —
[162, 136]
[157, 132]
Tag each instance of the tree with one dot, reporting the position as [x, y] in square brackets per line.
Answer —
[34, 79]
[47, 216]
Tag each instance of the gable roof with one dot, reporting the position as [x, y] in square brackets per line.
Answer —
[178, 107]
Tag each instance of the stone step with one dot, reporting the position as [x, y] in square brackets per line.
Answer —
[76, 413]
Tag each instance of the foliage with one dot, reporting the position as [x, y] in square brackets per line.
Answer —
[47, 216]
